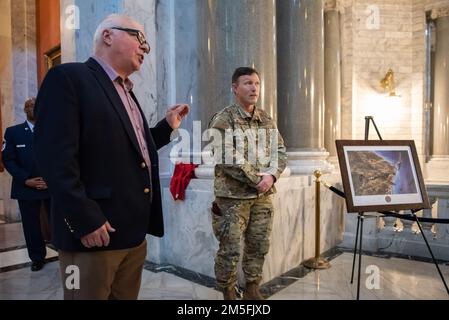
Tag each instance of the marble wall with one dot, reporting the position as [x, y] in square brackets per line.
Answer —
[77, 40]
[190, 243]
[377, 35]
[383, 40]
[6, 92]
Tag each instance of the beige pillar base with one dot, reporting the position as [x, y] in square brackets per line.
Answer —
[436, 170]
[306, 162]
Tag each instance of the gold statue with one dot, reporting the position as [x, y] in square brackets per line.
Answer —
[387, 83]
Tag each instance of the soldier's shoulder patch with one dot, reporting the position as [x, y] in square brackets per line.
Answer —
[220, 120]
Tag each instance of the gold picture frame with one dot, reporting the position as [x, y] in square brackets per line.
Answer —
[381, 175]
[52, 57]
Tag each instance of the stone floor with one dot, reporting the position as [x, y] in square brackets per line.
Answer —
[383, 278]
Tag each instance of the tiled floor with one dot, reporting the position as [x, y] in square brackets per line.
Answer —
[20, 257]
[397, 279]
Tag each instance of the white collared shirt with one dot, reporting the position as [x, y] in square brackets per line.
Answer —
[31, 126]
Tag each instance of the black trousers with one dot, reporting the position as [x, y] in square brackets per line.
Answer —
[31, 223]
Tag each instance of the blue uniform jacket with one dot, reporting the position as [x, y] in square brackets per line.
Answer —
[18, 158]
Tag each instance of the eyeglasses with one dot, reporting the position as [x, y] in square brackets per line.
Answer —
[138, 34]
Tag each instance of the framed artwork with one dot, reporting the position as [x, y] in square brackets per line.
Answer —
[381, 175]
[52, 57]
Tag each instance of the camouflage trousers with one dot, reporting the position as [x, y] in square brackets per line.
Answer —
[233, 219]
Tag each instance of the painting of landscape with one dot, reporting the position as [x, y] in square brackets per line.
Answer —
[381, 172]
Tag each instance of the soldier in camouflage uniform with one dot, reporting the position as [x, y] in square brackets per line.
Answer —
[244, 184]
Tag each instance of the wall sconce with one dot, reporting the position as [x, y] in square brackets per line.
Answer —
[387, 83]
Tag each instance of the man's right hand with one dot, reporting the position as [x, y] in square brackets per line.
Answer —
[266, 183]
[98, 238]
[36, 183]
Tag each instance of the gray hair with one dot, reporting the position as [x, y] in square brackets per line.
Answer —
[113, 20]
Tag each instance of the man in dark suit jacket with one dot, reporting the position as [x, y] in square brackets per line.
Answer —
[99, 158]
[28, 187]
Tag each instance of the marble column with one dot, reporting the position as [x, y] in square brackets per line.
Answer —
[18, 73]
[23, 24]
[201, 44]
[300, 44]
[437, 166]
[441, 93]
[79, 20]
[332, 79]
[233, 34]
[7, 97]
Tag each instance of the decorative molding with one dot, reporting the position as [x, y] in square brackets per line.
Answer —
[330, 5]
[336, 5]
[52, 57]
[306, 162]
[340, 5]
[440, 12]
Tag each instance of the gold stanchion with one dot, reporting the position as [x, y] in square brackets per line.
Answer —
[317, 262]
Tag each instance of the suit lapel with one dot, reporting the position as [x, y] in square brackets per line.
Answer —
[115, 99]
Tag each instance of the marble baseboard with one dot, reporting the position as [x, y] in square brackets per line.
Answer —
[189, 241]
[181, 273]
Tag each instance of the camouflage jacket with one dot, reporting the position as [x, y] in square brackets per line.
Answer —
[245, 145]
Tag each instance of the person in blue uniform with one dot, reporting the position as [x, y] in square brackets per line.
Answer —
[28, 187]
